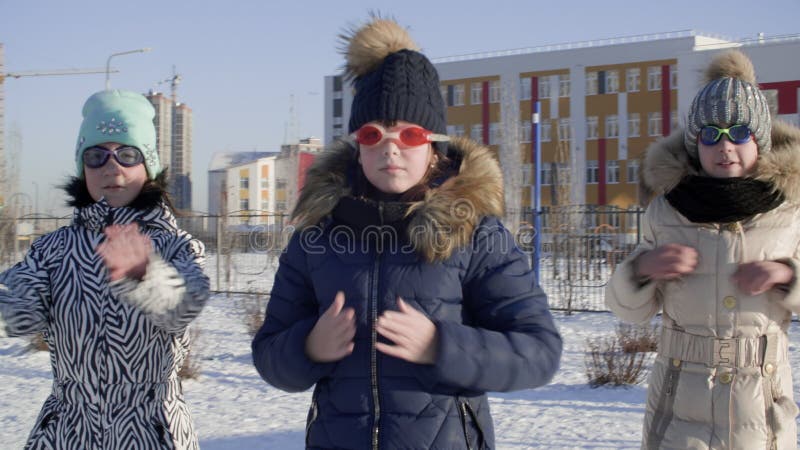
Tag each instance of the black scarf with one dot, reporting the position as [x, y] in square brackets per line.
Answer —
[723, 200]
[361, 214]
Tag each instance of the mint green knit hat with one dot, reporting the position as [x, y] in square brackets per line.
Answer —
[123, 117]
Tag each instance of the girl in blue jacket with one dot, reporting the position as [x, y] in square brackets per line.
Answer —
[401, 296]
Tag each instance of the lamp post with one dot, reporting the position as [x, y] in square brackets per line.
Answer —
[108, 62]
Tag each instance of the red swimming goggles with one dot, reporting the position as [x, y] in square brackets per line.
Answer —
[410, 136]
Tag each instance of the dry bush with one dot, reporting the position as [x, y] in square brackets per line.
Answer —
[254, 308]
[36, 343]
[191, 364]
[638, 338]
[607, 363]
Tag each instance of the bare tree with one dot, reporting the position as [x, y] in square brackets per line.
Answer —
[510, 153]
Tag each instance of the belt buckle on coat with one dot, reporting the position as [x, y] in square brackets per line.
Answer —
[725, 353]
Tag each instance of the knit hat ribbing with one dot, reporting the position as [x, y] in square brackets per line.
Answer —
[123, 117]
[393, 80]
[730, 96]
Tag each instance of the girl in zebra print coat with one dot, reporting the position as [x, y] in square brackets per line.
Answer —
[113, 294]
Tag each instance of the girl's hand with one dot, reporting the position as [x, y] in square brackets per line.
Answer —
[125, 251]
[667, 262]
[331, 339]
[758, 277]
[413, 334]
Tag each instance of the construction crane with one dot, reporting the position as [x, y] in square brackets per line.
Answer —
[51, 73]
[173, 84]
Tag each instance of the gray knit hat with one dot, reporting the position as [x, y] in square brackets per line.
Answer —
[730, 96]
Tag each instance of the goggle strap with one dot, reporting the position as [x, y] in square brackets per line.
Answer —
[434, 137]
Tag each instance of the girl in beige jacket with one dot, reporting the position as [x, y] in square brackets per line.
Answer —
[719, 256]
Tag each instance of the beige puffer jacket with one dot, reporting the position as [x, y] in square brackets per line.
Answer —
[721, 379]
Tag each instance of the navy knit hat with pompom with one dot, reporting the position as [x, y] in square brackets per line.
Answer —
[392, 79]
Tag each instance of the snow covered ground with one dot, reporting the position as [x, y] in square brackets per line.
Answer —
[234, 409]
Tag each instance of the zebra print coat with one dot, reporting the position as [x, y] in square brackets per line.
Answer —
[115, 348]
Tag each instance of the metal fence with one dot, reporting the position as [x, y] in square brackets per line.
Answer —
[580, 248]
[581, 245]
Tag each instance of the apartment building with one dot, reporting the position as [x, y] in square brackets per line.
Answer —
[600, 104]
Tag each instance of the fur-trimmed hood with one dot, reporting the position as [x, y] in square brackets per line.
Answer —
[666, 162]
[447, 216]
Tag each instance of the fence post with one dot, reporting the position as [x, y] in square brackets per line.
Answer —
[219, 247]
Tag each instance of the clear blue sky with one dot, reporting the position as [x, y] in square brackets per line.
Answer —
[241, 61]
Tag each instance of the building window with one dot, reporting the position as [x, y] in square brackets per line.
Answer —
[613, 219]
[612, 171]
[244, 204]
[527, 180]
[265, 206]
[337, 83]
[634, 124]
[494, 91]
[244, 183]
[612, 126]
[547, 174]
[264, 184]
[476, 132]
[476, 93]
[612, 82]
[591, 83]
[280, 206]
[673, 120]
[632, 79]
[545, 130]
[455, 130]
[592, 170]
[591, 127]
[458, 95]
[525, 131]
[544, 87]
[337, 107]
[632, 175]
[563, 85]
[495, 134]
[673, 76]
[654, 124]
[525, 88]
[654, 78]
[454, 95]
[564, 129]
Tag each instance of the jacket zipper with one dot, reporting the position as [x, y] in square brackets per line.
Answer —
[463, 408]
[374, 340]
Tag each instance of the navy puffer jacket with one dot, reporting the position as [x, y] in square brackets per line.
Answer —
[459, 266]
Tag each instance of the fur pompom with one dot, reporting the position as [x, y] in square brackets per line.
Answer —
[731, 64]
[366, 47]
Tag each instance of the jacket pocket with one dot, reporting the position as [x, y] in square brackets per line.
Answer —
[662, 416]
[313, 413]
[44, 430]
[473, 432]
[162, 433]
[779, 408]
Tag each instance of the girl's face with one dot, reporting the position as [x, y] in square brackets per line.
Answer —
[391, 165]
[119, 185]
[726, 159]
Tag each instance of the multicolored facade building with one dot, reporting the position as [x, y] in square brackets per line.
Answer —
[601, 103]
